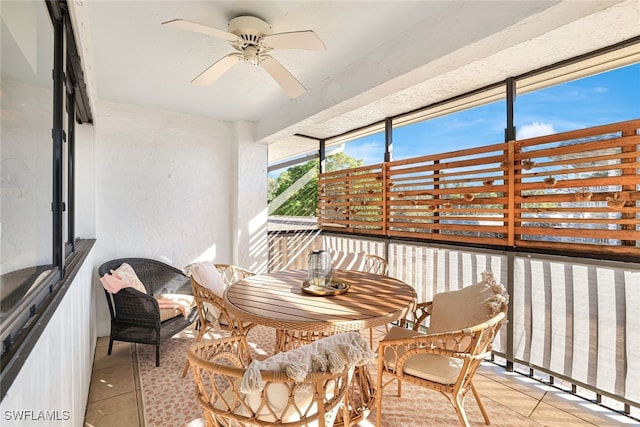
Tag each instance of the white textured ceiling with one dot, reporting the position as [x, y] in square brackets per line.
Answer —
[382, 58]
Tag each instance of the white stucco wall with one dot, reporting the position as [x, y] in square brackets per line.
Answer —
[162, 184]
[250, 199]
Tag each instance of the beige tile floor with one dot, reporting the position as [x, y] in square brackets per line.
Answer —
[114, 394]
[115, 399]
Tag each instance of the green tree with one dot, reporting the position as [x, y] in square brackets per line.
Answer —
[272, 186]
[304, 202]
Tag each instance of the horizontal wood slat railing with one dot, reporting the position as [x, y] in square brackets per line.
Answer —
[576, 191]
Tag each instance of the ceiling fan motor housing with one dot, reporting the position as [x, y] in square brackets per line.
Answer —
[249, 28]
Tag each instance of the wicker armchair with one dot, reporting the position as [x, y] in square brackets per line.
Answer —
[218, 368]
[135, 316]
[445, 361]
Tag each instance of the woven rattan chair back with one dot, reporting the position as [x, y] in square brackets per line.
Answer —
[232, 273]
[218, 367]
[376, 265]
[206, 301]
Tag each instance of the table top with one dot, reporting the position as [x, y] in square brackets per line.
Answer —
[277, 300]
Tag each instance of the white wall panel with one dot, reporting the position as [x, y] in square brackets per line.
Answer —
[53, 385]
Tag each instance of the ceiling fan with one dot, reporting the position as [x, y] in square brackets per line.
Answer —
[252, 38]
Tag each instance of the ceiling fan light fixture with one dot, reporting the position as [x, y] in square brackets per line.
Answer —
[250, 55]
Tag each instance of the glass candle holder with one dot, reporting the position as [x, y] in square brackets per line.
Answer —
[319, 268]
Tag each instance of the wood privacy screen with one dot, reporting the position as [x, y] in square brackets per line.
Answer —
[574, 191]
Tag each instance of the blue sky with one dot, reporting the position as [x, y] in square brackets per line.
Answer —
[609, 97]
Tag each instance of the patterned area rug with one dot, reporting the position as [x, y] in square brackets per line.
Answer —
[169, 399]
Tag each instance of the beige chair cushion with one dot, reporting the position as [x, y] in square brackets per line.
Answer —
[431, 367]
[470, 306]
[172, 305]
[207, 275]
[277, 395]
[168, 313]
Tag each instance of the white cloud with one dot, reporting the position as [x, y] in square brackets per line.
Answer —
[535, 129]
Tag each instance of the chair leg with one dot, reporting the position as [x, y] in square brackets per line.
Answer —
[346, 414]
[379, 391]
[158, 354]
[371, 338]
[186, 368]
[399, 387]
[201, 333]
[480, 405]
[110, 346]
[458, 404]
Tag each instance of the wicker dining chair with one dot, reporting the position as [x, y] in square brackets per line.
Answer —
[218, 368]
[208, 302]
[446, 358]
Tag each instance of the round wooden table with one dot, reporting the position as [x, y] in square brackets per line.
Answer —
[277, 300]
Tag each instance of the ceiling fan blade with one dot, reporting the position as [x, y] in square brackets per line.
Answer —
[294, 40]
[216, 70]
[284, 78]
[183, 24]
